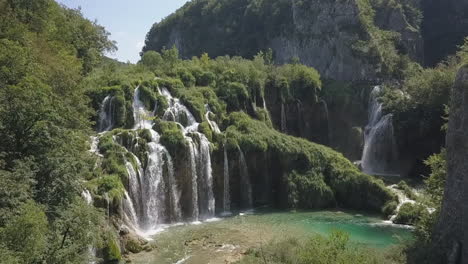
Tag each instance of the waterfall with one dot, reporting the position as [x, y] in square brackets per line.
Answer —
[106, 117]
[380, 151]
[246, 185]
[212, 124]
[203, 200]
[193, 169]
[226, 192]
[402, 199]
[154, 197]
[206, 196]
[283, 119]
[87, 196]
[141, 116]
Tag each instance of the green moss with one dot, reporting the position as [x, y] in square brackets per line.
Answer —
[171, 137]
[205, 128]
[133, 246]
[389, 208]
[409, 214]
[309, 191]
[108, 184]
[351, 188]
[112, 251]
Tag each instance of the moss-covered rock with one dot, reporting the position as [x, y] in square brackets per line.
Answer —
[410, 213]
[112, 251]
[315, 165]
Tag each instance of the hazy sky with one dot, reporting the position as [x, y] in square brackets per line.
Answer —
[127, 20]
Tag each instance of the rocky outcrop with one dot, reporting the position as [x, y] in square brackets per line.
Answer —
[343, 40]
[445, 26]
[452, 229]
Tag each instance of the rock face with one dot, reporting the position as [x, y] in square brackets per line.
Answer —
[444, 27]
[452, 230]
[343, 40]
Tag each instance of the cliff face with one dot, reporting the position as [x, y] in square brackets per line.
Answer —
[452, 230]
[343, 40]
[444, 27]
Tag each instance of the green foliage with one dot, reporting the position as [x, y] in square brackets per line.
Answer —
[26, 233]
[171, 137]
[402, 185]
[110, 185]
[205, 128]
[309, 191]
[435, 183]
[319, 250]
[389, 208]
[112, 251]
[351, 188]
[151, 59]
[410, 214]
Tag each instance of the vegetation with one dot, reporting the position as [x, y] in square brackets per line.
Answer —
[319, 250]
[46, 50]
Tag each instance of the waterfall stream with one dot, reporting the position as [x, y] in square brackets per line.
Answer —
[246, 189]
[226, 190]
[380, 152]
[106, 117]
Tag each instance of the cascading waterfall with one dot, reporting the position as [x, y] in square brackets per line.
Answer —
[402, 198]
[380, 151]
[153, 197]
[200, 164]
[106, 117]
[246, 190]
[226, 190]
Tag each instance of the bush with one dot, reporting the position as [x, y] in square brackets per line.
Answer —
[410, 214]
[309, 191]
[171, 137]
[389, 208]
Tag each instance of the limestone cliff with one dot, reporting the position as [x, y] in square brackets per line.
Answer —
[343, 40]
[452, 230]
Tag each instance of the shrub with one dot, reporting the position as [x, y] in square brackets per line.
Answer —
[389, 208]
[409, 214]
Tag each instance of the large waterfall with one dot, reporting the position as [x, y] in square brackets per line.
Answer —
[380, 152]
[202, 179]
[153, 192]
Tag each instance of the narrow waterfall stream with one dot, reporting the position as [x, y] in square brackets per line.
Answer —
[106, 117]
[246, 190]
[380, 151]
[226, 189]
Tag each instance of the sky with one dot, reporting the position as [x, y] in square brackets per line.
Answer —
[128, 21]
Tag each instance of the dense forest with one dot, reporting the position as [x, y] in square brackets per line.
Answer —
[94, 151]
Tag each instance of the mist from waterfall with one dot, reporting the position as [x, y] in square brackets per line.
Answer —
[380, 151]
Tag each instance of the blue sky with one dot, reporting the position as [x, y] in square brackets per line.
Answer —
[128, 21]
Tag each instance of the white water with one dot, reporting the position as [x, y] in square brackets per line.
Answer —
[106, 117]
[87, 196]
[402, 199]
[380, 152]
[226, 191]
[154, 198]
[203, 200]
[246, 185]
